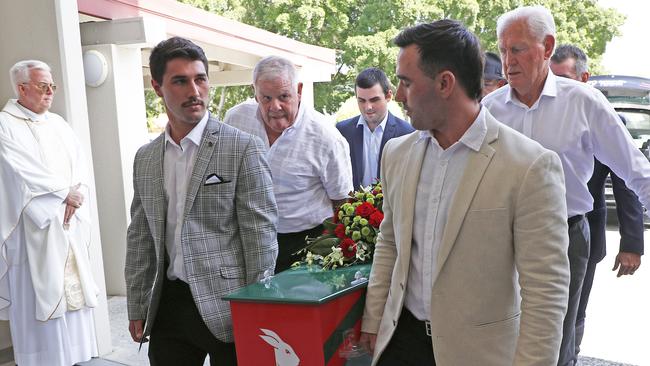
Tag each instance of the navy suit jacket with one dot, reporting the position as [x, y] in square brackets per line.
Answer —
[395, 127]
[628, 209]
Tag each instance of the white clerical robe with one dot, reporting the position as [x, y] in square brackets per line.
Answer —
[44, 269]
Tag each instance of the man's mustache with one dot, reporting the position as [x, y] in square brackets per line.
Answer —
[192, 101]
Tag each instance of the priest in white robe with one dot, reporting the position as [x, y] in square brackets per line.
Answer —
[46, 287]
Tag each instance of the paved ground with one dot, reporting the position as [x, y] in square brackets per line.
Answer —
[618, 321]
[618, 316]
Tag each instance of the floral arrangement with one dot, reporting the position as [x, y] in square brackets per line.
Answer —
[350, 236]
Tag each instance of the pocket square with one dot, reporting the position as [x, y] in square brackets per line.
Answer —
[213, 179]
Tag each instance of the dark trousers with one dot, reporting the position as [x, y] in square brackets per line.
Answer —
[290, 243]
[179, 335]
[410, 344]
[578, 258]
[584, 299]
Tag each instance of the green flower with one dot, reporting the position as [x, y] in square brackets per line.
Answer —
[359, 195]
[356, 219]
[346, 221]
[340, 215]
[356, 235]
[379, 196]
[370, 200]
[363, 222]
[349, 210]
[365, 231]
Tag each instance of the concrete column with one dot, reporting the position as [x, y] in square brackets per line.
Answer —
[307, 96]
[49, 31]
[118, 127]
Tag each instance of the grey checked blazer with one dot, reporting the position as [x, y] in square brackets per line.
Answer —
[228, 235]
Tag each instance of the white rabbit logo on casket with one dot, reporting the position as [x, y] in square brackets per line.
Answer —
[284, 354]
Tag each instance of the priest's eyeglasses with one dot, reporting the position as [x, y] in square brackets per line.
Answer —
[44, 87]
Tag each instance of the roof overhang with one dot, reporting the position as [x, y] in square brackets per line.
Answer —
[232, 48]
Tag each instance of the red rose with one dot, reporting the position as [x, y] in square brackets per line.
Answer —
[365, 210]
[339, 231]
[348, 247]
[376, 218]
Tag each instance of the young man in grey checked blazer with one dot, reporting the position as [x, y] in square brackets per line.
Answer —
[203, 219]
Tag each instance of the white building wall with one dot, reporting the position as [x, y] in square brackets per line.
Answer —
[118, 127]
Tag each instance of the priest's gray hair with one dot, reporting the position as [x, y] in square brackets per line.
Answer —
[19, 73]
[538, 18]
[274, 67]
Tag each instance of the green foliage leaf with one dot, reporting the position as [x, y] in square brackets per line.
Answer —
[362, 31]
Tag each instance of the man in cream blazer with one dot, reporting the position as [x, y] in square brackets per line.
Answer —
[470, 266]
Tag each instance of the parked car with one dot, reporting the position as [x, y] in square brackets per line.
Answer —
[630, 96]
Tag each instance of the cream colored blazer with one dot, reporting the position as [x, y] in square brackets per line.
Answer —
[502, 287]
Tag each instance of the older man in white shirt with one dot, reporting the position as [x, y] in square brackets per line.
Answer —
[309, 158]
[570, 118]
[46, 287]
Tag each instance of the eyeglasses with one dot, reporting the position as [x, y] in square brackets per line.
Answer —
[43, 87]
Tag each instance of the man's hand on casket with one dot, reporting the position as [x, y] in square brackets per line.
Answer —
[367, 341]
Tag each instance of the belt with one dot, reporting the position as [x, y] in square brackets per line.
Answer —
[575, 219]
[410, 320]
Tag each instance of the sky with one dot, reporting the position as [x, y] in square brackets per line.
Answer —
[629, 54]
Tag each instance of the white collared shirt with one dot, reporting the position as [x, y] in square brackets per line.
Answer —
[310, 165]
[371, 147]
[440, 175]
[577, 122]
[178, 164]
[31, 114]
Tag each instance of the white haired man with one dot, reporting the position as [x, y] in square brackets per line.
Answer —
[309, 159]
[571, 62]
[570, 118]
[47, 291]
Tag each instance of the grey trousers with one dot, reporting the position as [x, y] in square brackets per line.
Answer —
[584, 298]
[578, 258]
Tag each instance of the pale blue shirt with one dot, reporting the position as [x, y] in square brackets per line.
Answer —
[577, 122]
[440, 175]
[371, 148]
[178, 164]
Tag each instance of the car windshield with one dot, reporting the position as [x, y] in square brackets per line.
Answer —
[638, 121]
[632, 99]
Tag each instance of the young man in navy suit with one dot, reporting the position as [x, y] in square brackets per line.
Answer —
[368, 132]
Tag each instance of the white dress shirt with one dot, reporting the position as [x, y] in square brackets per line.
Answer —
[440, 175]
[310, 165]
[577, 122]
[371, 147]
[177, 171]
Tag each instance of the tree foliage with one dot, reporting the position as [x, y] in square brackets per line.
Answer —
[362, 31]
